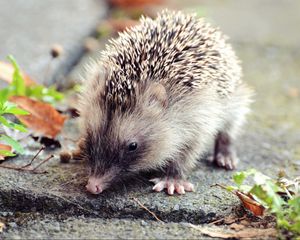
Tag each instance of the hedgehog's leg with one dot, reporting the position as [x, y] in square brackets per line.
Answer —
[224, 152]
[173, 181]
[236, 110]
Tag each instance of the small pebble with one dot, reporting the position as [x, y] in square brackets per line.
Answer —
[4, 214]
[12, 224]
[56, 227]
[56, 50]
[65, 157]
[143, 223]
[176, 207]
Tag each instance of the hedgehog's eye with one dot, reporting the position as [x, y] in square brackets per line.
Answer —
[132, 146]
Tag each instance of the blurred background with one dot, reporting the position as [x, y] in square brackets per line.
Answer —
[264, 33]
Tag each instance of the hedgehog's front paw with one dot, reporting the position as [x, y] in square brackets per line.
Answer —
[172, 185]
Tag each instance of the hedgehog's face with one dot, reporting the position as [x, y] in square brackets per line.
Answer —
[123, 144]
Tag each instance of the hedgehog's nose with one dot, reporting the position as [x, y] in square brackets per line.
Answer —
[94, 185]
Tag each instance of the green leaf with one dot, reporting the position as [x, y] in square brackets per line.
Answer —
[231, 188]
[40, 92]
[13, 109]
[15, 145]
[17, 111]
[261, 179]
[268, 195]
[19, 127]
[12, 125]
[4, 93]
[240, 177]
[18, 88]
[35, 91]
[267, 191]
[18, 83]
[7, 153]
[4, 121]
[51, 91]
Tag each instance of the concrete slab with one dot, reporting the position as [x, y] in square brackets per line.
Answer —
[47, 227]
[255, 21]
[28, 29]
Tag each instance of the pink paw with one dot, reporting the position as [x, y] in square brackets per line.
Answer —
[227, 161]
[172, 185]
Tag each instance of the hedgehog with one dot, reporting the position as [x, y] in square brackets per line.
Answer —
[158, 98]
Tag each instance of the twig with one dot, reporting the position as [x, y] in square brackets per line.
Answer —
[219, 185]
[33, 170]
[144, 207]
[20, 169]
[15, 168]
[46, 160]
[216, 221]
[35, 156]
[224, 219]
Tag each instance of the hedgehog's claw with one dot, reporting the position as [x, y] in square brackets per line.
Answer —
[172, 185]
[224, 155]
[227, 161]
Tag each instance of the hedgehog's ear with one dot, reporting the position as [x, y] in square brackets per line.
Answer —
[158, 93]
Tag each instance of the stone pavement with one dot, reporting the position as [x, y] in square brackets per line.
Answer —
[28, 29]
[55, 205]
[97, 228]
[260, 22]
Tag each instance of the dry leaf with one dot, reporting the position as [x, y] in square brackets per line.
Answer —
[133, 3]
[237, 226]
[43, 118]
[4, 147]
[256, 208]
[6, 74]
[219, 232]
[2, 226]
[120, 25]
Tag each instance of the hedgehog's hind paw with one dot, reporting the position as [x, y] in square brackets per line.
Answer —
[172, 185]
[228, 161]
[224, 155]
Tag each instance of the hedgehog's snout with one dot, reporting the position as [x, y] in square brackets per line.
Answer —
[98, 183]
[94, 185]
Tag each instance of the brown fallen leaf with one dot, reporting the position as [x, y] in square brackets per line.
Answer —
[237, 226]
[219, 232]
[133, 3]
[120, 25]
[43, 118]
[6, 74]
[250, 203]
[4, 147]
